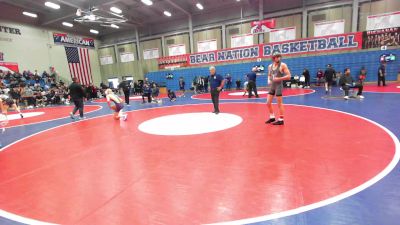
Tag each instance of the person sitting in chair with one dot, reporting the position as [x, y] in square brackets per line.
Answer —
[347, 82]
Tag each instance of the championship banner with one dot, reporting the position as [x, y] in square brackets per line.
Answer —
[383, 21]
[206, 46]
[8, 66]
[382, 37]
[106, 60]
[262, 26]
[151, 53]
[283, 34]
[316, 44]
[238, 41]
[328, 28]
[65, 39]
[127, 57]
[175, 50]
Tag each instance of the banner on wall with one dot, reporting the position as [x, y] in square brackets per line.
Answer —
[9, 66]
[206, 46]
[65, 39]
[172, 62]
[383, 21]
[1, 56]
[151, 53]
[262, 26]
[301, 46]
[283, 34]
[175, 50]
[328, 28]
[106, 60]
[127, 57]
[238, 41]
[382, 37]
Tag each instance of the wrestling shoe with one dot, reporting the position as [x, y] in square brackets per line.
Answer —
[270, 120]
[279, 122]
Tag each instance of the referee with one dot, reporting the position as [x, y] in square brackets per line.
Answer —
[251, 78]
[216, 85]
[76, 93]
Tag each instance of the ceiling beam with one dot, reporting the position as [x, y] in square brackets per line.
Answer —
[58, 19]
[178, 7]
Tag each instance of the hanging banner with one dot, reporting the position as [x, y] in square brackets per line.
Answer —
[1, 56]
[151, 53]
[300, 46]
[8, 66]
[238, 41]
[127, 57]
[283, 34]
[383, 21]
[262, 26]
[175, 50]
[106, 60]
[65, 39]
[206, 46]
[382, 37]
[328, 28]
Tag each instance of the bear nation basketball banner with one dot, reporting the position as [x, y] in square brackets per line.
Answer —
[65, 39]
[302, 46]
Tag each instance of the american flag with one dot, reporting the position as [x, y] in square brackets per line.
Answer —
[79, 64]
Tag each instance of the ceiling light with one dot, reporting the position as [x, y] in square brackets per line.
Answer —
[167, 13]
[92, 17]
[52, 5]
[114, 26]
[67, 24]
[147, 2]
[30, 14]
[94, 31]
[199, 6]
[116, 10]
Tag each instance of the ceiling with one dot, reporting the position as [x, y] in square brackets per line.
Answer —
[148, 19]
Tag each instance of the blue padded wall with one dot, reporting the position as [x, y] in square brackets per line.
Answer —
[369, 59]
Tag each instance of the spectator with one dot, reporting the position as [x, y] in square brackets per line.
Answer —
[382, 74]
[306, 75]
[171, 95]
[155, 92]
[228, 79]
[146, 92]
[238, 84]
[362, 76]
[330, 75]
[320, 76]
[347, 82]
[182, 86]
[126, 88]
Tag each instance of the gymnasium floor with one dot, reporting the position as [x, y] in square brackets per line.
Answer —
[334, 162]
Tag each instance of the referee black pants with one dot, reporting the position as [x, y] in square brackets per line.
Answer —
[252, 88]
[78, 106]
[215, 99]
[381, 78]
[126, 94]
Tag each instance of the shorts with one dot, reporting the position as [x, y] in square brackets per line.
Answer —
[119, 107]
[276, 89]
[9, 102]
[182, 88]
